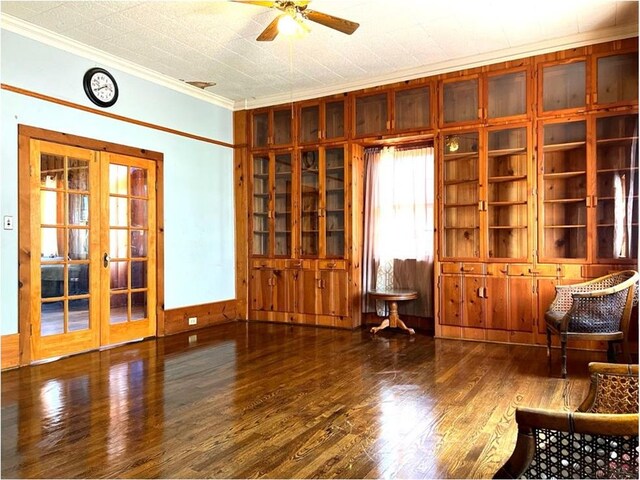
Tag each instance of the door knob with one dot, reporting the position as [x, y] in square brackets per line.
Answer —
[106, 260]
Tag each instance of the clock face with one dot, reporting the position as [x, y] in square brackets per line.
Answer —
[100, 87]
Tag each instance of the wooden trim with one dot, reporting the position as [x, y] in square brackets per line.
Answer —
[177, 319]
[113, 116]
[10, 350]
[240, 160]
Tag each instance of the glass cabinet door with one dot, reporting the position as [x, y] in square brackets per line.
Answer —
[310, 124]
[507, 203]
[371, 114]
[310, 202]
[617, 187]
[260, 129]
[282, 204]
[334, 120]
[412, 108]
[282, 126]
[461, 222]
[507, 95]
[460, 101]
[617, 78]
[564, 86]
[334, 202]
[564, 190]
[261, 207]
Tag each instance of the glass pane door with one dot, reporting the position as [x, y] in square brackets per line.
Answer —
[564, 86]
[282, 204]
[507, 95]
[309, 124]
[461, 222]
[460, 101]
[564, 190]
[334, 210]
[260, 205]
[617, 187]
[310, 202]
[334, 120]
[507, 206]
[65, 228]
[412, 108]
[618, 78]
[130, 255]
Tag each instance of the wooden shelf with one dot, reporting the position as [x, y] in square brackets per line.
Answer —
[608, 199]
[457, 205]
[461, 228]
[459, 182]
[507, 151]
[507, 178]
[611, 225]
[566, 200]
[507, 227]
[450, 157]
[507, 204]
[261, 232]
[616, 141]
[565, 226]
[558, 147]
[261, 195]
[260, 214]
[563, 175]
[614, 170]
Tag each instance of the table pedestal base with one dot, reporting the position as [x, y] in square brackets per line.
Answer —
[393, 321]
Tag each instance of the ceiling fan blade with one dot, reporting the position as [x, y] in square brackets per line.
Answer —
[340, 24]
[271, 32]
[257, 2]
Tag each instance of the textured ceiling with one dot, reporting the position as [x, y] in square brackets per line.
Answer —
[215, 41]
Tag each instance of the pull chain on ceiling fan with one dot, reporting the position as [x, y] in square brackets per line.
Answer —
[298, 11]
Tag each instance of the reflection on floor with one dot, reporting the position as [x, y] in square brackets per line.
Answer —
[247, 400]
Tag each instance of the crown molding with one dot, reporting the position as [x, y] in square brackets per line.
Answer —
[539, 48]
[26, 29]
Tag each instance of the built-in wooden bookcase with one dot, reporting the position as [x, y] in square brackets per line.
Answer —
[538, 179]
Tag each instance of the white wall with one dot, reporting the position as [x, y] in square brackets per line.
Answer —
[198, 176]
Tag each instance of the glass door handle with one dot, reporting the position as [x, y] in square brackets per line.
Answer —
[106, 260]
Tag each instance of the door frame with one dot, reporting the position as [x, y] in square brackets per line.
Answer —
[25, 135]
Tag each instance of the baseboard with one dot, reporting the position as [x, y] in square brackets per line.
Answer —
[10, 350]
[177, 319]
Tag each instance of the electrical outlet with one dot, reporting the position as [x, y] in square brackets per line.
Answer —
[193, 320]
[8, 222]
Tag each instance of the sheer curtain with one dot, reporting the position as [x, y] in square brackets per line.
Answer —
[399, 225]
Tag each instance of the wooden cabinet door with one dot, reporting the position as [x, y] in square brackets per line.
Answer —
[473, 305]
[451, 300]
[280, 290]
[497, 303]
[306, 291]
[261, 289]
[521, 308]
[333, 292]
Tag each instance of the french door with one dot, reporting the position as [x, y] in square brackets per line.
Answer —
[92, 249]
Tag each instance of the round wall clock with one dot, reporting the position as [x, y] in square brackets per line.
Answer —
[100, 87]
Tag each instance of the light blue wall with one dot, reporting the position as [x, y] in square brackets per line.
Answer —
[198, 176]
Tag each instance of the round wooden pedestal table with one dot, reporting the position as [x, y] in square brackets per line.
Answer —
[392, 297]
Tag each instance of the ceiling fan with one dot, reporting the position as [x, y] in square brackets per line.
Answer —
[298, 11]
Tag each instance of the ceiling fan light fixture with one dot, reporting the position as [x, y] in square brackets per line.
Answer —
[290, 26]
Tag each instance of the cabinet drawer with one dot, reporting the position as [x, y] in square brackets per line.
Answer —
[595, 271]
[332, 264]
[463, 267]
[263, 263]
[307, 264]
[546, 270]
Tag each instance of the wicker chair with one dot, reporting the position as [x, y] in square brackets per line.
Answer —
[599, 309]
[600, 440]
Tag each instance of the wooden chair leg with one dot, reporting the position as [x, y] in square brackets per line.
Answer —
[548, 342]
[563, 342]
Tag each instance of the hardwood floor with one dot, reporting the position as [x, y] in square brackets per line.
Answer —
[258, 400]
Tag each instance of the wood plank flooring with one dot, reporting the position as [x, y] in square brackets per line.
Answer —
[247, 400]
